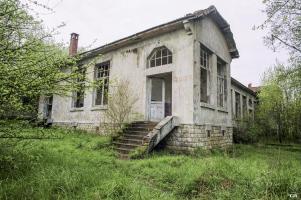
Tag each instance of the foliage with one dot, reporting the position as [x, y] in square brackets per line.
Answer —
[279, 111]
[121, 105]
[57, 169]
[31, 63]
[139, 152]
[246, 132]
[284, 22]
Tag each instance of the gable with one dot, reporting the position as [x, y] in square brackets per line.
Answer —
[210, 35]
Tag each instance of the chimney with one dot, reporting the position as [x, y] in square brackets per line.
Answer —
[250, 85]
[73, 44]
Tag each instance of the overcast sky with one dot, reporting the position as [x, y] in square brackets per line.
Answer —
[102, 21]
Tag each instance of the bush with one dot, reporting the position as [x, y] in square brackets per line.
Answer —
[246, 132]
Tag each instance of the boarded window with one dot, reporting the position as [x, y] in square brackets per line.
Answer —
[102, 74]
[221, 83]
[160, 56]
[205, 56]
[79, 94]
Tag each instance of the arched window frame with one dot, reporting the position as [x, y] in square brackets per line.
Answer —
[160, 56]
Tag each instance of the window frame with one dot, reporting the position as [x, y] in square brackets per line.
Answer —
[157, 57]
[222, 85]
[78, 96]
[237, 105]
[103, 77]
[205, 67]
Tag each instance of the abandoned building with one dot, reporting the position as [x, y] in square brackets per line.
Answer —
[181, 71]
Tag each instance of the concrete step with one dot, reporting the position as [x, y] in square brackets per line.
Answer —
[134, 128]
[131, 136]
[121, 150]
[130, 141]
[136, 132]
[144, 122]
[123, 156]
[126, 145]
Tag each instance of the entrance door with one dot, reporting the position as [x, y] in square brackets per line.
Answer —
[157, 103]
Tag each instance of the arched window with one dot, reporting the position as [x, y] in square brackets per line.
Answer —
[160, 56]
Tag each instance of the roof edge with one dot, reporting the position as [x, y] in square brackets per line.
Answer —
[172, 25]
[242, 86]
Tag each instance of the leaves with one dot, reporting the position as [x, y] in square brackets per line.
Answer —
[284, 25]
[31, 63]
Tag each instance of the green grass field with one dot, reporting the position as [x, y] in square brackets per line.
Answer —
[75, 165]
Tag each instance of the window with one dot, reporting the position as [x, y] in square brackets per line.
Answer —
[205, 73]
[79, 93]
[251, 114]
[250, 103]
[102, 74]
[160, 56]
[237, 106]
[208, 133]
[244, 106]
[232, 110]
[221, 83]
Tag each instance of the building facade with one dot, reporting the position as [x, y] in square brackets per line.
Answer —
[181, 68]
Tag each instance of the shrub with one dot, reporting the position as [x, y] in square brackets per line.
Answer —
[246, 132]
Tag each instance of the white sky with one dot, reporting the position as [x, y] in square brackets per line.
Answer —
[102, 21]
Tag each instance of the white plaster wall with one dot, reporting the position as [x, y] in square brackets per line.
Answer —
[207, 33]
[131, 63]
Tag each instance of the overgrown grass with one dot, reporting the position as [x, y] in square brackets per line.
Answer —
[76, 165]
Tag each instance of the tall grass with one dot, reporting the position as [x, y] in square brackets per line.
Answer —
[78, 165]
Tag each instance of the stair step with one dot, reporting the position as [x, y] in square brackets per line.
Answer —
[126, 145]
[121, 150]
[139, 129]
[144, 122]
[137, 132]
[130, 141]
[131, 136]
[123, 156]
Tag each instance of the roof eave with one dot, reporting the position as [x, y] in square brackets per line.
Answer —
[242, 86]
[168, 27]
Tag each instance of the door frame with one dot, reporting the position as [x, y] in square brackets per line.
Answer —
[149, 102]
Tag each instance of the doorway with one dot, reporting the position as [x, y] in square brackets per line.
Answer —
[160, 103]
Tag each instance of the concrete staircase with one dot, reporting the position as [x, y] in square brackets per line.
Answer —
[133, 137]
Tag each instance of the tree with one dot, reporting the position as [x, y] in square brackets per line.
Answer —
[31, 63]
[121, 105]
[279, 111]
[284, 24]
